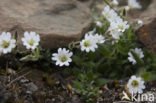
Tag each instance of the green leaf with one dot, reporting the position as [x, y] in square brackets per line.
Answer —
[145, 76]
[102, 81]
[104, 51]
[29, 58]
[77, 84]
[77, 60]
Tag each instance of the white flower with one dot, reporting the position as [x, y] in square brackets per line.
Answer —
[134, 4]
[140, 22]
[63, 57]
[138, 52]
[6, 42]
[31, 40]
[135, 85]
[116, 34]
[115, 2]
[90, 41]
[131, 58]
[99, 38]
[123, 25]
[119, 24]
[98, 23]
[88, 44]
[109, 13]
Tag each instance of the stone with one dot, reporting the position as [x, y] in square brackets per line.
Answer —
[4, 79]
[24, 80]
[59, 22]
[11, 71]
[31, 87]
[146, 33]
[89, 3]
[75, 99]
[1, 87]
[28, 92]
[5, 97]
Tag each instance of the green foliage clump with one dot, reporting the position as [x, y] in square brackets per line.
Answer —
[85, 87]
[110, 62]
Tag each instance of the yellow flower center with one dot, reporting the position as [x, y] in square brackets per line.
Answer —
[63, 58]
[5, 44]
[135, 83]
[121, 27]
[86, 43]
[107, 14]
[31, 42]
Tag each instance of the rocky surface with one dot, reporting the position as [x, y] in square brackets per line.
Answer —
[36, 86]
[147, 33]
[58, 22]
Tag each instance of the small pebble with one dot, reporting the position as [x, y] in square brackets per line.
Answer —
[24, 80]
[28, 92]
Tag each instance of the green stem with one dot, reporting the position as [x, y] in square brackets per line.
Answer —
[114, 51]
[73, 45]
[112, 8]
[107, 3]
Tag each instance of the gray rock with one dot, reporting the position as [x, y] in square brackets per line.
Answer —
[4, 79]
[48, 101]
[1, 87]
[75, 99]
[31, 87]
[24, 80]
[146, 33]
[4, 97]
[28, 92]
[58, 22]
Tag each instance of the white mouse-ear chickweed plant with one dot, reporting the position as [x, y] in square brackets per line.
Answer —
[31, 40]
[7, 43]
[139, 54]
[135, 85]
[88, 43]
[107, 62]
[134, 4]
[63, 57]
[103, 54]
[91, 41]
[115, 2]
